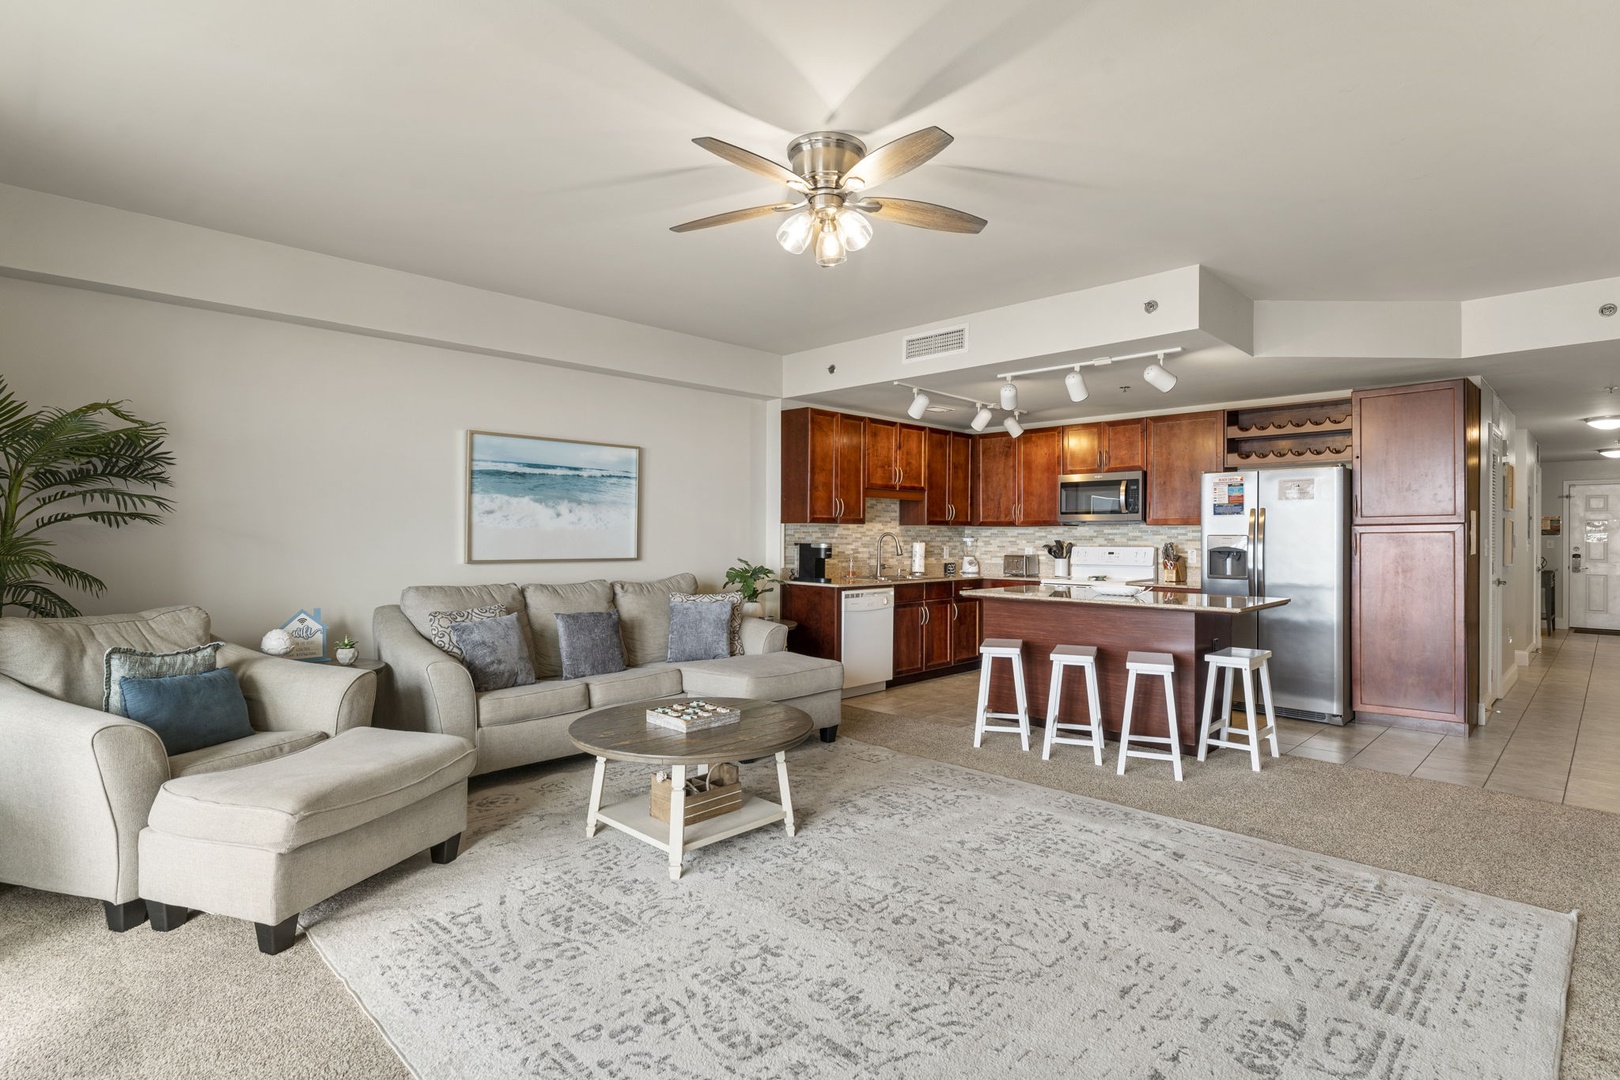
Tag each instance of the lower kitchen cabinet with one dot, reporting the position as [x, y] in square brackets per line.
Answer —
[966, 636]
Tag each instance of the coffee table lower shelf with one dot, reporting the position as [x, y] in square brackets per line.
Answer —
[632, 816]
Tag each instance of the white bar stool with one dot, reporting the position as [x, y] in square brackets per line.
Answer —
[1163, 665]
[1012, 650]
[1224, 663]
[1085, 657]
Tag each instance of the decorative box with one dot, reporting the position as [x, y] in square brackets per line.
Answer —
[706, 797]
[692, 715]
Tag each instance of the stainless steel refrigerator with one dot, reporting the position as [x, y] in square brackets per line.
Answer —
[1285, 532]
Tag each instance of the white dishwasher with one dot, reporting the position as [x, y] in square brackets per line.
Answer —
[868, 640]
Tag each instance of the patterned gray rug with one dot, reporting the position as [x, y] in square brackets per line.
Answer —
[932, 921]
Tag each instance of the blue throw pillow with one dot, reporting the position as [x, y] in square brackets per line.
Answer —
[189, 712]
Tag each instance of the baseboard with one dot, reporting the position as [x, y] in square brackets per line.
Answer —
[1415, 723]
[1521, 657]
[1509, 677]
[1591, 630]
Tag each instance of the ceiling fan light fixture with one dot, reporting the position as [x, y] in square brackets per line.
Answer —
[829, 249]
[918, 406]
[854, 231]
[1076, 384]
[1014, 428]
[794, 233]
[1604, 423]
[982, 418]
[1009, 396]
[1159, 377]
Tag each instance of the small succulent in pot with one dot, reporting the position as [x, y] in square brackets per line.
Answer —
[347, 651]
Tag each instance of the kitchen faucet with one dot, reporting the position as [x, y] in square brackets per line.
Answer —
[897, 552]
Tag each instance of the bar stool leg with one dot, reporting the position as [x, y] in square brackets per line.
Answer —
[1175, 726]
[1094, 709]
[984, 700]
[1209, 712]
[1125, 725]
[1052, 698]
[1254, 725]
[1271, 716]
[1023, 702]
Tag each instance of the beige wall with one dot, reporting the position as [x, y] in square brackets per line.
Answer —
[325, 469]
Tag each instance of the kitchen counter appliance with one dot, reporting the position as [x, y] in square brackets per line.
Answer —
[813, 562]
[1285, 532]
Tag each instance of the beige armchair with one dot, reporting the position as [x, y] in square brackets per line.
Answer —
[76, 783]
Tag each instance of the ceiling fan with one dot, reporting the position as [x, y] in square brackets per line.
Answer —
[832, 170]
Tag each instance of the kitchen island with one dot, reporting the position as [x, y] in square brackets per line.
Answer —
[1186, 625]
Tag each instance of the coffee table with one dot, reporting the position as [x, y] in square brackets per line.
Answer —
[622, 733]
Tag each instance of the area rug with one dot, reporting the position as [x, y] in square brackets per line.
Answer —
[933, 921]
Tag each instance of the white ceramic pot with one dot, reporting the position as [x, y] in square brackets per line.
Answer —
[347, 656]
[753, 609]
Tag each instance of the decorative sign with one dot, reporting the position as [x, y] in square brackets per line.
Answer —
[1552, 526]
[308, 635]
[1226, 495]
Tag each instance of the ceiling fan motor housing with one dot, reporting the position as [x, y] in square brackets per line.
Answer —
[823, 157]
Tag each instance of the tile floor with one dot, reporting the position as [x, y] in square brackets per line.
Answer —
[1555, 736]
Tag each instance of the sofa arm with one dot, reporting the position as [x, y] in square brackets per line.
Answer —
[763, 636]
[291, 695]
[429, 690]
[76, 785]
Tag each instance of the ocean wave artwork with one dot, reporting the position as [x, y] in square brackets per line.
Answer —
[535, 499]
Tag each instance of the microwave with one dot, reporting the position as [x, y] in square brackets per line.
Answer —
[1086, 497]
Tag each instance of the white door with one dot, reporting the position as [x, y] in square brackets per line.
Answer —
[1594, 556]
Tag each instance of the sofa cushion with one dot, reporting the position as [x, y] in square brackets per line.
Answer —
[779, 676]
[634, 684]
[339, 784]
[554, 697]
[733, 603]
[644, 616]
[189, 712]
[698, 631]
[65, 658]
[260, 746]
[494, 652]
[544, 603]
[590, 643]
[419, 602]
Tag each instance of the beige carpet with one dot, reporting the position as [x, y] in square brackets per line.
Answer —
[201, 1002]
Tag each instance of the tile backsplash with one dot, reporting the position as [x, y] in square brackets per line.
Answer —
[947, 542]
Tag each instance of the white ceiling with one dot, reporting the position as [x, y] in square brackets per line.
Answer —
[1381, 150]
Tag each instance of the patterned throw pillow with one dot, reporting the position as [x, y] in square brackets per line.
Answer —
[122, 662]
[440, 622]
[734, 599]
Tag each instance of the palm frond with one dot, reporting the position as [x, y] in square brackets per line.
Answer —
[36, 599]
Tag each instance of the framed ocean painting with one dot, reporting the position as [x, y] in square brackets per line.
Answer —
[534, 500]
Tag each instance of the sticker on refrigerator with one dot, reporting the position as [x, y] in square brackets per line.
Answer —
[1297, 491]
[1226, 495]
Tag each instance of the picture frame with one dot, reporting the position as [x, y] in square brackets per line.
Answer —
[1552, 525]
[532, 498]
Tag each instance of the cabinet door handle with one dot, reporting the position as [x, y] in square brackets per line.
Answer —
[924, 612]
[1473, 532]
[953, 612]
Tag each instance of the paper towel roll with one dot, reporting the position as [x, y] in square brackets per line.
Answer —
[919, 556]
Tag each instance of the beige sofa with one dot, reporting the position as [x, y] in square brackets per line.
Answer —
[77, 784]
[429, 690]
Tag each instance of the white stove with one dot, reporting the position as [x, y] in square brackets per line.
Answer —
[1115, 565]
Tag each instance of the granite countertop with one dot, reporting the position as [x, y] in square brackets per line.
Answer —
[1150, 598]
[876, 583]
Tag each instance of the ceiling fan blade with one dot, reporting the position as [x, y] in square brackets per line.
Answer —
[896, 158]
[921, 214]
[751, 161]
[735, 215]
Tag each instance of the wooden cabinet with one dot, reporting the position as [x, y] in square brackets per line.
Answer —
[1112, 446]
[965, 635]
[823, 467]
[948, 484]
[908, 638]
[924, 632]
[1015, 480]
[1414, 448]
[1180, 449]
[894, 456]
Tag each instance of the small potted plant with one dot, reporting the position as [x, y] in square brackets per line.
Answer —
[748, 579]
[347, 651]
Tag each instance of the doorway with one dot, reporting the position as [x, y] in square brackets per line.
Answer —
[1593, 529]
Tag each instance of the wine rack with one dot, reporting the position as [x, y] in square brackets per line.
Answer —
[1302, 433]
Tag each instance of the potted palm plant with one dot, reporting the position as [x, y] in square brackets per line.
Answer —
[97, 463]
[748, 579]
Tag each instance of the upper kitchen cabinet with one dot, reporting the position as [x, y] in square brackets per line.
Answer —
[1180, 450]
[894, 456]
[948, 482]
[1416, 453]
[1015, 481]
[1112, 446]
[823, 467]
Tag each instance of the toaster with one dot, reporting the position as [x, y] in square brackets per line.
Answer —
[1021, 566]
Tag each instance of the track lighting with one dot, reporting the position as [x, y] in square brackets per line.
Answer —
[1158, 378]
[1156, 375]
[1009, 396]
[1014, 428]
[919, 405]
[982, 418]
[1076, 383]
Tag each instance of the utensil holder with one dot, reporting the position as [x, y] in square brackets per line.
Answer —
[1060, 567]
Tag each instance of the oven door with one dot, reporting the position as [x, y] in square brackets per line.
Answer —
[1088, 497]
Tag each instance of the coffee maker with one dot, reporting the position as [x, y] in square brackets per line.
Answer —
[813, 562]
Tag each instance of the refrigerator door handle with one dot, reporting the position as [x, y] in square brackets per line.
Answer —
[1260, 552]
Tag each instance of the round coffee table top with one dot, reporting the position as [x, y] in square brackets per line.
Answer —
[622, 733]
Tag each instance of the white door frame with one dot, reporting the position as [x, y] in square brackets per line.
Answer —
[1571, 542]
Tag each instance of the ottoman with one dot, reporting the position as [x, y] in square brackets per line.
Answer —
[266, 841]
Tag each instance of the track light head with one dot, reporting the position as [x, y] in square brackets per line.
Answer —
[1014, 428]
[1158, 377]
[982, 418]
[1076, 383]
[918, 406]
[1009, 396]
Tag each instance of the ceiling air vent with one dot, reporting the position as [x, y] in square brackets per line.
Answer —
[946, 342]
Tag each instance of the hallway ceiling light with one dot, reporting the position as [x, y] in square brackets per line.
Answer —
[1604, 423]
[1613, 452]
[919, 405]
[1076, 384]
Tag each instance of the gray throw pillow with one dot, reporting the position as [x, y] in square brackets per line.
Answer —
[732, 602]
[440, 623]
[699, 631]
[494, 652]
[589, 643]
[122, 662]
